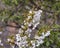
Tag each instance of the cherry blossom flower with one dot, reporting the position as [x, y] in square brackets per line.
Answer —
[22, 41]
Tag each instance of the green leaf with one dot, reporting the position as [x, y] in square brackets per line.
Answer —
[47, 43]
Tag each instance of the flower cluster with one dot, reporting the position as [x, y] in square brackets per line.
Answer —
[23, 42]
[23, 38]
[39, 39]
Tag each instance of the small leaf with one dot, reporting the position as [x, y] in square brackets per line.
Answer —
[47, 43]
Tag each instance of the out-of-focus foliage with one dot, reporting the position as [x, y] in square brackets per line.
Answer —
[19, 8]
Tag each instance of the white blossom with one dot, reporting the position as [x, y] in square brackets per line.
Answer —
[18, 38]
[29, 35]
[20, 30]
[35, 25]
[8, 39]
[41, 41]
[48, 33]
[22, 26]
[0, 32]
[22, 41]
[36, 37]
[1, 43]
[37, 43]
[33, 43]
[41, 37]
[29, 24]
[28, 30]
[42, 33]
[37, 16]
[30, 11]
[24, 38]
[17, 35]
[26, 23]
